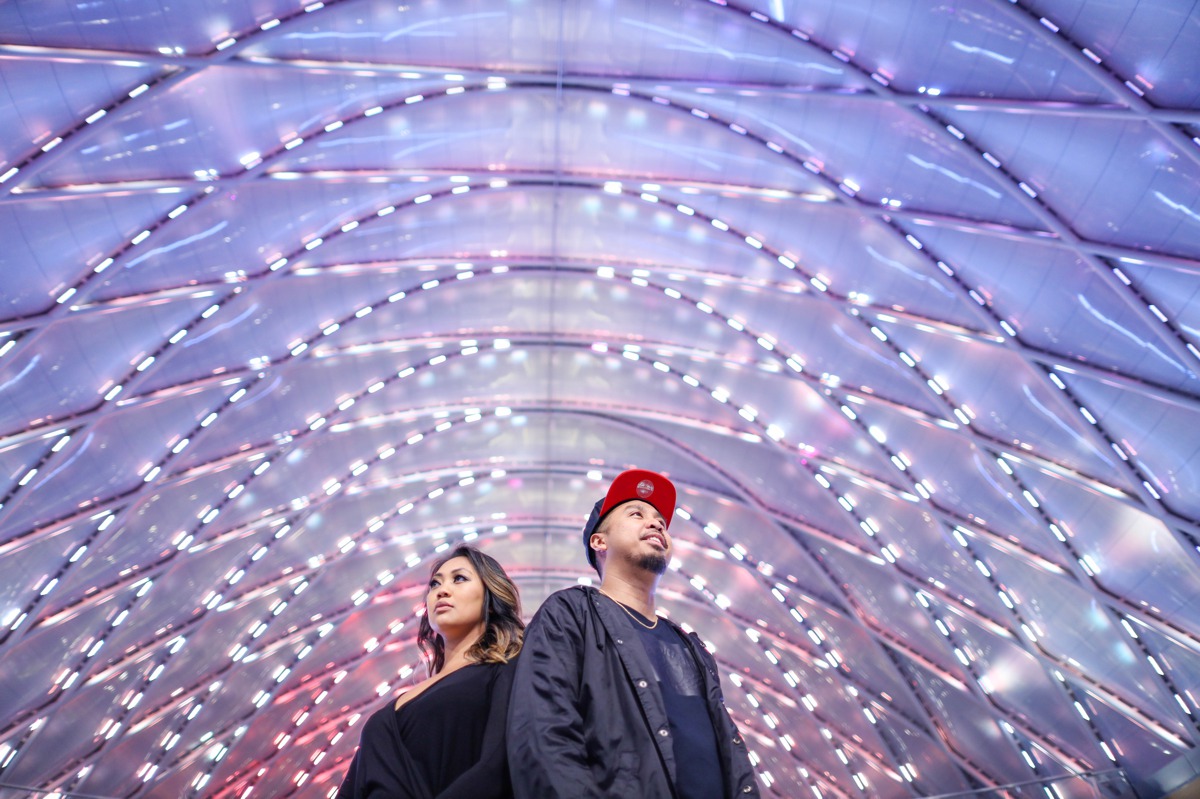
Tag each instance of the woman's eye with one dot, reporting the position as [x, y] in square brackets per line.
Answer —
[459, 578]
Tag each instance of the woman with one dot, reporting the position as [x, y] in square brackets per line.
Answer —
[444, 738]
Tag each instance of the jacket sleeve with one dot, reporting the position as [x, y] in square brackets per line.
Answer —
[547, 751]
[488, 778]
[739, 772]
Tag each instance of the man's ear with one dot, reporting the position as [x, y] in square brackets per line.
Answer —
[598, 543]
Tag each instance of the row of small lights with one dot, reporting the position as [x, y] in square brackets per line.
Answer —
[771, 720]
[321, 752]
[1115, 446]
[906, 770]
[220, 742]
[962, 413]
[945, 625]
[958, 411]
[1092, 571]
[242, 650]
[718, 226]
[850, 189]
[1006, 597]
[361, 596]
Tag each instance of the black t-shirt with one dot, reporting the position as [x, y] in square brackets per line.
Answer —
[697, 760]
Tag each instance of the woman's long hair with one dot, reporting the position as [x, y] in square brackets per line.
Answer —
[503, 629]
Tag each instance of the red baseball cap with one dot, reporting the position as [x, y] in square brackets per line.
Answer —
[650, 487]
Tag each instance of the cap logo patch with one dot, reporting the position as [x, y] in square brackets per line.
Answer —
[645, 489]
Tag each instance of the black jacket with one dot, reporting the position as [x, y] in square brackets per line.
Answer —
[586, 717]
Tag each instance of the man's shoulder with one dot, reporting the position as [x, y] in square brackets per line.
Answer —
[564, 610]
[572, 597]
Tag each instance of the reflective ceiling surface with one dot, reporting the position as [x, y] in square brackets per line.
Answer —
[903, 296]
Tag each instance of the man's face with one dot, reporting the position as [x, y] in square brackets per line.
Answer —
[635, 533]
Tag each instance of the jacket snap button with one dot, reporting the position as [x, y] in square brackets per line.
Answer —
[663, 732]
[746, 789]
[619, 641]
[737, 740]
[642, 683]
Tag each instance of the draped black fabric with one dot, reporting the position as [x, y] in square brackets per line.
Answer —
[446, 743]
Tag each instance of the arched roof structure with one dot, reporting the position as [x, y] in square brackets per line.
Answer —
[903, 296]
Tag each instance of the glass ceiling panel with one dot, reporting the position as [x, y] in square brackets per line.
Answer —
[1127, 184]
[44, 99]
[1015, 679]
[78, 477]
[108, 25]
[1007, 402]
[168, 132]
[888, 603]
[1144, 427]
[990, 753]
[968, 49]
[1131, 553]
[1124, 36]
[1044, 291]
[950, 467]
[1081, 636]
[54, 244]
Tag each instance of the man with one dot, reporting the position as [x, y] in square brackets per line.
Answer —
[609, 699]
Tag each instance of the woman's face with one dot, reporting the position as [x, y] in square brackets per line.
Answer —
[454, 603]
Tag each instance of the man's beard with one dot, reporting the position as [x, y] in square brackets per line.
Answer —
[655, 563]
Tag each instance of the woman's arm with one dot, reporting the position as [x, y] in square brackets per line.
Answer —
[488, 778]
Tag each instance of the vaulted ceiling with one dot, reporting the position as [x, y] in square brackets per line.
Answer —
[902, 295]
